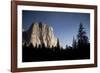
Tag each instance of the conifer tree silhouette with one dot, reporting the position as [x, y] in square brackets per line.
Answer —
[82, 37]
[74, 44]
[58, 44]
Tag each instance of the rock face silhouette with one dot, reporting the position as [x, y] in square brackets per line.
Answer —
[39, 34]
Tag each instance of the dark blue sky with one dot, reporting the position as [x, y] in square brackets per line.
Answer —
[65, 24]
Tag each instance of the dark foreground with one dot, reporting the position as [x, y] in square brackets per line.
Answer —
[30, 54]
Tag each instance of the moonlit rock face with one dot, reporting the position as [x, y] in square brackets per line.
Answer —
[38, 34]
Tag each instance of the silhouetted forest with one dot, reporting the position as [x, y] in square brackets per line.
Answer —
[80, 49]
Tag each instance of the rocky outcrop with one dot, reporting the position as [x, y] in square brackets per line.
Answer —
[38, 34]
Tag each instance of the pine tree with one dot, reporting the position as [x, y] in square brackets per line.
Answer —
[39, 46]
[58, 44]
[82, 37]
[74, 44]
[43, 45]
[66, 46]
[31, 45]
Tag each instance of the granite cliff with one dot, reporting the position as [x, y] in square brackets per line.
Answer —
[38, 34]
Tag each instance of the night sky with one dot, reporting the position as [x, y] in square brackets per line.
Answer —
[65, 24]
